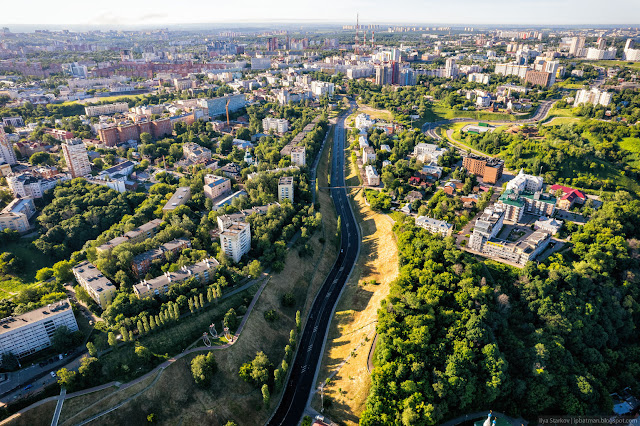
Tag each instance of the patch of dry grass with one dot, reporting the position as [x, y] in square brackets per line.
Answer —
[41, 415]
[353, 326]
[73, 406]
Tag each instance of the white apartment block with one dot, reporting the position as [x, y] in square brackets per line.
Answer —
[525, 183]
[7, 153]
[373, 179]
[76, 157]
[632, 55]
[236, 240]
[368, 155]
[364, 121]
[17, 214]
[428, 153]
[487, 226]
[27, 185]
[31, 332]
[479, 78]
[512, 69]
[322, 88]
[279, 125]
[595, 54]
[594, 96]
[435, 226]
[99, 287]
[285, 189]
[95, 110]
[299, 155]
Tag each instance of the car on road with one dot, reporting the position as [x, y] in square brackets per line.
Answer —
[53, 374]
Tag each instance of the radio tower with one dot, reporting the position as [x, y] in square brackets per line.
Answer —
[357, 28]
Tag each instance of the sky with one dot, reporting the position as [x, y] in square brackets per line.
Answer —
[146, 13]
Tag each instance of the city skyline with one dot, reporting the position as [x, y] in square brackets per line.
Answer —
[464, 12]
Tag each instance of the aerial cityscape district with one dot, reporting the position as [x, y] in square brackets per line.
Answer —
[299, 222]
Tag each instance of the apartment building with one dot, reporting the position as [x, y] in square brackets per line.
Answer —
[487, 226]
[16, 215]
[235, 240]
[372, 176]
[226, 220]
[112, 135]
[95, 110]
[180, 197]
[364, 121]
[27, 185]
[519, 252]
[195, 153]
[490, 169]
[99, 287]
[216, 186]
[299, 155]
[142, 262]
[218, 106]
[28, 333]
[279, 125]
[435, 226]
[428, 153]
[285, 189]
[594, 96]
[525, 183]
[516, 204]
[76, 157]
[203, 271]
[7, 154]
[368, 155]
[135, 236]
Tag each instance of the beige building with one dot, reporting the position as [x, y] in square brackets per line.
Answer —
[203, 271]
[435, 226]
[97, 285]
[299, 155]
[17, 214]
[373, 178]
[285, 189]
[216, 186]
[75, 155]
[6, 148]
[95, 110]
[180, 197]
[135, 236]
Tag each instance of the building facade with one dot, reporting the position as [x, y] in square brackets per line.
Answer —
[285, 189]
[76, 157]
[99, 287]
[16, 215]
[435, 226]
[235, 240]
[203, 271]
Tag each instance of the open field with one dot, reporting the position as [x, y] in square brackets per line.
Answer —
[33, 258]
[353, 326]
[630, 144]
[41, 415]
[380, 114]
[74, 406]
[439, 111]
[175, 399]
[558, 121]
[621, 64]
[104, 99]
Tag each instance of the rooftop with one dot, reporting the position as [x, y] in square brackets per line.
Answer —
[285, 180]
[15, 322]
[92, 276]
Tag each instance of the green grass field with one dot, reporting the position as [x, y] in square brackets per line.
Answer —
[634, 65]
[107, 98]
[33, 259]
[439, 111]
[630, 144]
[558, 121]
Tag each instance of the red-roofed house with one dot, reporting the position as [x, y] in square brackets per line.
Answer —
[414, 180]
[569, 196]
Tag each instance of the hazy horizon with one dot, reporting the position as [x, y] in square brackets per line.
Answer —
[493, 13]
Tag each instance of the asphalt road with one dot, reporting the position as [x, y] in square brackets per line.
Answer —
[301, 379]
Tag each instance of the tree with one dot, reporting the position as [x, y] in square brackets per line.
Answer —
[41, 157]
[44, 274]
[230, 319]
[92, 349]
[66, 378]
[111, 338]
[266, 396]
[260, 368]
[143, 353]
[298, 321]
[62, 271]
[62, 339]
[145, 138]
[9, 361]
[203, 367]
[90, 370]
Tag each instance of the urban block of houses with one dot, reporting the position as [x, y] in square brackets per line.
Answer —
[16, 215]
[180, 197]
[142, 262]
[99, 287]
[31, 332]
[435, 226]
[29, 184]
[203, 271]
[135, 236]
[231, 170]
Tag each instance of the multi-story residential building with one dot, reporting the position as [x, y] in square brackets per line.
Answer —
[27, 185]
[142, 262]
[285, 188]
[479, 78]
[576, 46]
[28, 333]
[363, 121]
[594, 96]
[203, 271]
[99, 287]
[235, 240]
[490, 169]
[216, 186]
[428, 153]
[299, 155]
[76, 157]
[547, 224]
[487, 226]
[135, 236]
[597, 54]
[368, 155]
[371, 175]
[180, 197]
[322, 88]
[435, 226]
[279, 125]
[516, 204]
[95, 110]
[512, 69]
[195, 153]
[7, 153]
[525, 183]
[519, 252]
[218, 106]
[226, 220]
[541, 78]
[17, 214]
[112, 135]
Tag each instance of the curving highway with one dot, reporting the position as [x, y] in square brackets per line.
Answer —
[303, 370]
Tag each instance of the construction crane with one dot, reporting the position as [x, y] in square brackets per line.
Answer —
[227, 107]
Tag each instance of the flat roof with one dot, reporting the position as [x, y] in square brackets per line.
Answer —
[15, 322]
[92, 275]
